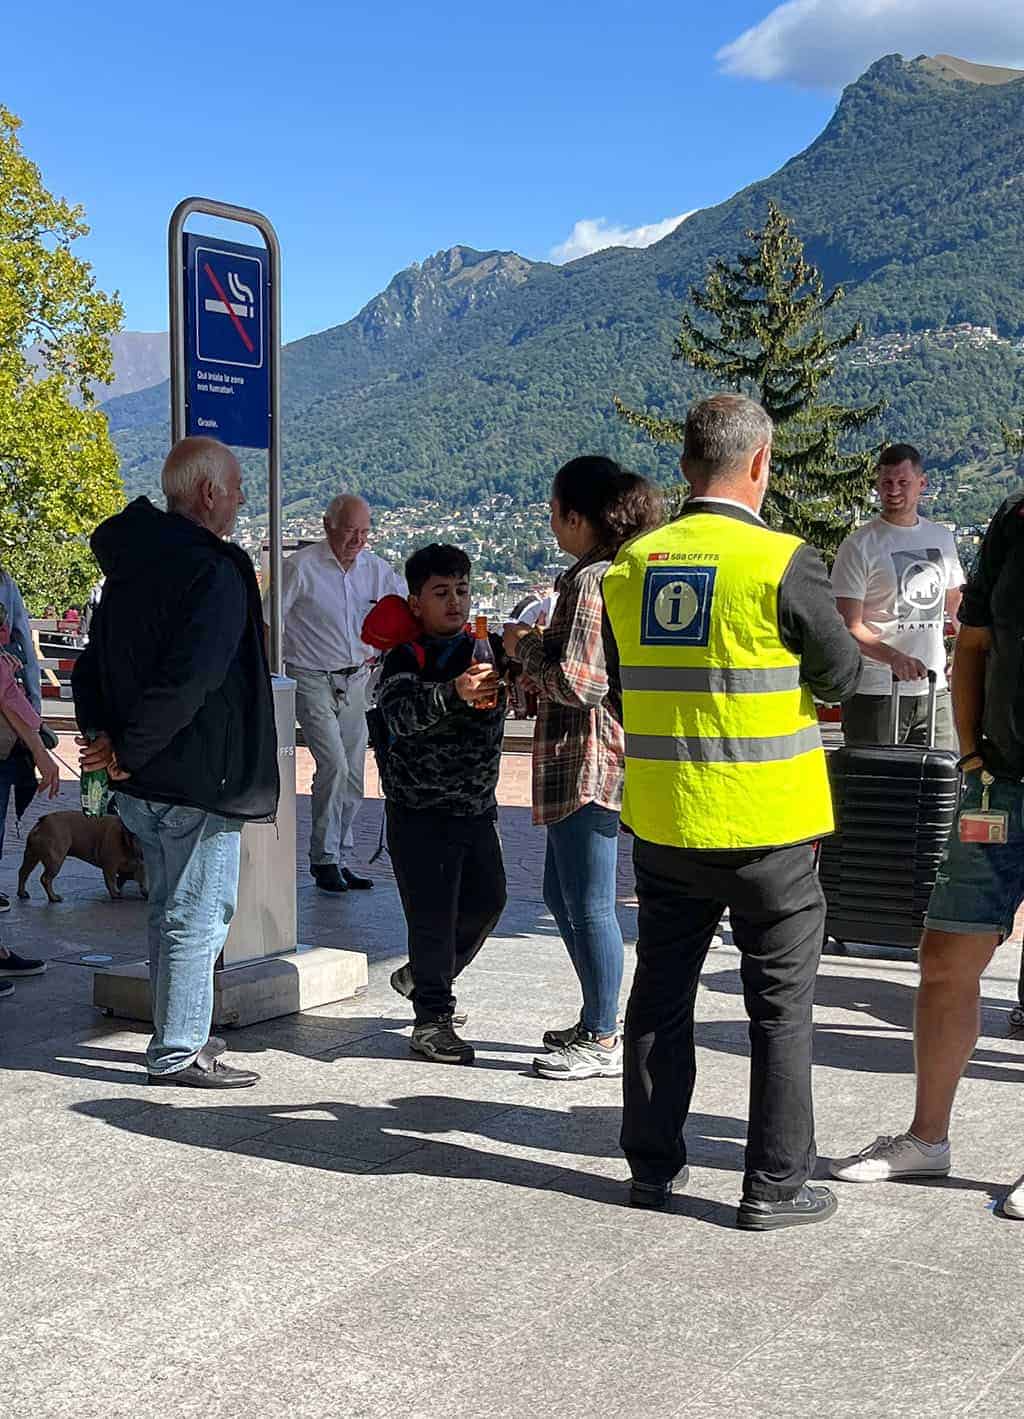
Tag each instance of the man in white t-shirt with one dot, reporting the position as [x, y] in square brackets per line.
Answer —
[327, 591]
[896, 580]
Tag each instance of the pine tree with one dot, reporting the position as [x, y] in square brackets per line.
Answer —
[759, 326]
[1013, 441]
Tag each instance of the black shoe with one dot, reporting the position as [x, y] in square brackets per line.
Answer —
[558, 1039]
[437, 1041]
[5, 903]
[402, 982]
[208, 1073]
[328, 878]
[6, 988]
[655, 1197]
[811, 1204]
[15, 965]
[354, 883]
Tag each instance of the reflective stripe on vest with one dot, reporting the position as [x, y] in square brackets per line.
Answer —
[722, 742]
[688, 750]
[717, 680]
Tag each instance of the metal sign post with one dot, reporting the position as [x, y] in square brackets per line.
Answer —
[225, 306]
[202, 267]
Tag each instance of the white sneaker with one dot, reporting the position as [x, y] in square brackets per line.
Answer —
[1013, 1202]
[887, 1158]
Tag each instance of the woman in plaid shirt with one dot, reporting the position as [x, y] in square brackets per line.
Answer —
[578, 754]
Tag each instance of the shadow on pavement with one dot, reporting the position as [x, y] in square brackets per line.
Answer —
[881, 1049]
[335, 1144]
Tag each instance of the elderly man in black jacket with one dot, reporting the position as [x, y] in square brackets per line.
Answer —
[173, 695]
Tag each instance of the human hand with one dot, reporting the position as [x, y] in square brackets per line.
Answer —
[907, 667]
[99, 753]
[49, 774]
[478, 685]
[95, 753]
[512, 634]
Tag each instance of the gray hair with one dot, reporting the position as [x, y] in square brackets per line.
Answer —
[336, 504]
[720, 430]
[192, 462]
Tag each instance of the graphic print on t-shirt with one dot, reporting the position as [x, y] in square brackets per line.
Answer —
[920, 585]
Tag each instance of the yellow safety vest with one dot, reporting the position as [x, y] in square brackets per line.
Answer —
[722, 741]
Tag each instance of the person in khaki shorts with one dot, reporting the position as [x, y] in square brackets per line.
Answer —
[896, 580]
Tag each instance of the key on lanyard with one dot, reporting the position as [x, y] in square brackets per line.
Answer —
[987, 780]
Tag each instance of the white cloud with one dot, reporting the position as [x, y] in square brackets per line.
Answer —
[828, 43]
[595, 233]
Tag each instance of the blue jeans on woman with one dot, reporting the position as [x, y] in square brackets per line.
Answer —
[579, 891]
[192, 861]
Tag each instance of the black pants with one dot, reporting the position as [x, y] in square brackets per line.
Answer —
[778, 916]
[452, 882]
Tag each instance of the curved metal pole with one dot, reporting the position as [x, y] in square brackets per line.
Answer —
[175, 266]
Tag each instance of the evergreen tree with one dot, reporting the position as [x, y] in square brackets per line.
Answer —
[58, 467]
[1013, 441]
[759, 326]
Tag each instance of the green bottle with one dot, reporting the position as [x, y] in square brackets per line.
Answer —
[95, 786]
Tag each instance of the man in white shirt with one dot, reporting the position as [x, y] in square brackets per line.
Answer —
[896, 580]
[327, 590]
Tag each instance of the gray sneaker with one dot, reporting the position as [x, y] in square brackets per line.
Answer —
[402, 982]
[438, 1042]
[581, 1058]
[891, 1157]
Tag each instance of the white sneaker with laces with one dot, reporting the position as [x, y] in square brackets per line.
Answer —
[892, 1157]
[1013, 1202]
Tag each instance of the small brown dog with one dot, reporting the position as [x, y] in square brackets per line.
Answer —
[105, 842]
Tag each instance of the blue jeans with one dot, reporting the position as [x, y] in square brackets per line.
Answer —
[579, 892]
[192, 860]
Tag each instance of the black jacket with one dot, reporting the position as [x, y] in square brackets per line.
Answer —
[442, 754]
[175, 670]
[994, 598]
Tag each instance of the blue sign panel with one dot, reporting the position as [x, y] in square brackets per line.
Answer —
[677, 605]
[227, 326]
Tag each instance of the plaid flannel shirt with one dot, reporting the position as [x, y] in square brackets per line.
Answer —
[578, 746]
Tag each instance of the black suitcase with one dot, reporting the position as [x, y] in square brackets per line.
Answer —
[894, 807]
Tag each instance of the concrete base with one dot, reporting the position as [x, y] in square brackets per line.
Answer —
[245, 995]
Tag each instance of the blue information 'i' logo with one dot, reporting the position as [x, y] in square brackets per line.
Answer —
[677, 605]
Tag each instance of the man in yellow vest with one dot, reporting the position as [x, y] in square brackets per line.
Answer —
[722, 632]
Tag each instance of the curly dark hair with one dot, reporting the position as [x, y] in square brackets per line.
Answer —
[618, 504]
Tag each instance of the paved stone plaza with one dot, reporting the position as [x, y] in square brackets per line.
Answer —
[364, 1234]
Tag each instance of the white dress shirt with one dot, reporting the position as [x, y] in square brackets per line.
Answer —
[324, 606]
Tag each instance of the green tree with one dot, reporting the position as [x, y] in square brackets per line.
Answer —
[58, 467]
[1013, 441]
[760, 327]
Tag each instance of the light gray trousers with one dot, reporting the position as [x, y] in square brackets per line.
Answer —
[333, 721]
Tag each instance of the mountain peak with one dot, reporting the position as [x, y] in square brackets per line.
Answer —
[444, 286]
[947, 66]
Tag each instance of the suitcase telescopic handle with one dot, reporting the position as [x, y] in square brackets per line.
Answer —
[894, 709]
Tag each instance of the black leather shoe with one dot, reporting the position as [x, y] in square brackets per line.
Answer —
[354, 883]
[208, 1073]
[811, 1204]
[655, 1197]
[328, 878]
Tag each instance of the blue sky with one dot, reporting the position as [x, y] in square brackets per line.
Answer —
[375, 134]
